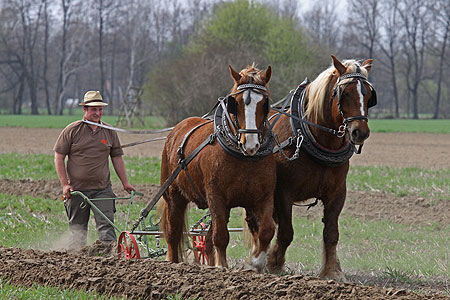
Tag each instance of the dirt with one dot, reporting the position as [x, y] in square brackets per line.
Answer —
[397, 150]
[96, 267]
[150, 279]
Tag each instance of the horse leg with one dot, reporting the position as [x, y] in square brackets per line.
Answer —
[285, 232]
[266, 230]
[330, 263]
[175, 225]
[220, 234]
[209, 247]
[253, 228]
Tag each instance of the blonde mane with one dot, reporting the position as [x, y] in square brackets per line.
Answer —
[317, 90]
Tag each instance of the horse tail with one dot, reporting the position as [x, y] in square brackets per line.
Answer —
[247, 236]
[184, 237]
[163, 211]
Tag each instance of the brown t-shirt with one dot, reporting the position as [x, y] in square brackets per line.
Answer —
[88, 152]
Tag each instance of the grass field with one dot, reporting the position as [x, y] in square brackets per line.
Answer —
[373, 238]
[404, 252]
[376, 125]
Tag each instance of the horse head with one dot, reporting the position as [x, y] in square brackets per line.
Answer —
[249, 103]
[352, 96]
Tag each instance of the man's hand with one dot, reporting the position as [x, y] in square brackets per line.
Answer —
[66, 191]
[128, 187]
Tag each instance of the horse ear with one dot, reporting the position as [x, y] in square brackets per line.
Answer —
[367, 64]
[267, 74]
[338, 65]
[234, 74]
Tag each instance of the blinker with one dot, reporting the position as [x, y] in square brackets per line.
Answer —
[231, 105]
[373, 99]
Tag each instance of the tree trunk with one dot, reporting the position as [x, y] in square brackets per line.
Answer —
[45, 75]
[441, 69]
[100, 48]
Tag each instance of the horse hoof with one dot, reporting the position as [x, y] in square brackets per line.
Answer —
[259, 263]
[335, 275]
[275, 268]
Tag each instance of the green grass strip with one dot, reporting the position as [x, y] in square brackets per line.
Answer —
[401, 181]
[375, 246]
[409, 125]
[9, 291]
[26, 221]
[16, 166]
[46, 121]
[376, 125]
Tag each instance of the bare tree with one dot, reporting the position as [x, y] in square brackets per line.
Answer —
[365, 21]
[442, 18]
[416, 19]
[20, 39]
[323, 24]
[45, 65]
[389, 44]
[66, 14]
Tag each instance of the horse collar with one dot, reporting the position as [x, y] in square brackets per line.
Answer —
[229, 142]
[301, 131]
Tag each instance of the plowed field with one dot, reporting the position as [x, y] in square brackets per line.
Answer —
[150, 279]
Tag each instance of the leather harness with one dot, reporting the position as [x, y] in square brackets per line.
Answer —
[228, 139]
[302, 136]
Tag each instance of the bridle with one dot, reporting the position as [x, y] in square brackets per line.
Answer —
[302, 134]
[337, 91]
[229, 102]
[228, 129]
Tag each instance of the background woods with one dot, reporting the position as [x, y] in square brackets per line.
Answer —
[175, 53]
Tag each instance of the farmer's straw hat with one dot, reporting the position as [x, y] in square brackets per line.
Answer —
[93, 98]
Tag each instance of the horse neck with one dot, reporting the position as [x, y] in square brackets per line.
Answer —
[331, 119]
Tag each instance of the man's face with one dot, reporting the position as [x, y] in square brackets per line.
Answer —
[93, 113]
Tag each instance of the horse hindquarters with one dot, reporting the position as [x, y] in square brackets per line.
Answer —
[173, 219]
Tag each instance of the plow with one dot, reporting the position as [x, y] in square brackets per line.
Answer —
[143, 240]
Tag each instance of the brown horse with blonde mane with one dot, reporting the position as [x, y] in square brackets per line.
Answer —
[317, 135]
[231, 165]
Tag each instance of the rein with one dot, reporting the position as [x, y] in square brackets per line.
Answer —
[126, 130]
[132, 132]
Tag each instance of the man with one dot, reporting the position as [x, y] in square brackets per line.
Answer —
[87, 148]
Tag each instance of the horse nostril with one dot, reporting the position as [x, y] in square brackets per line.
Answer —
[356, 133]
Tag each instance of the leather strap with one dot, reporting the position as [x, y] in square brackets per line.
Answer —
[182, 164]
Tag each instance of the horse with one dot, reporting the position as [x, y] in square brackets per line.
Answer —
[233, 168]
[326, 121]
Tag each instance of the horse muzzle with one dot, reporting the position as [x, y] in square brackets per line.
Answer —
[358, 132]
[249, 141]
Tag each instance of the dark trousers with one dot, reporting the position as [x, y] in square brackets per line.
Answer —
[79, 217]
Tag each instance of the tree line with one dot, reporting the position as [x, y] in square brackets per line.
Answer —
[176, 53]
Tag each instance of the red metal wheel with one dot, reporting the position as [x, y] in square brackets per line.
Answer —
[127, 246]
[199, 249]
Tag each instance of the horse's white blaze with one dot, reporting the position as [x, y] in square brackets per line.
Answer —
[361, 97]
[251, 139]
[259, 262]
